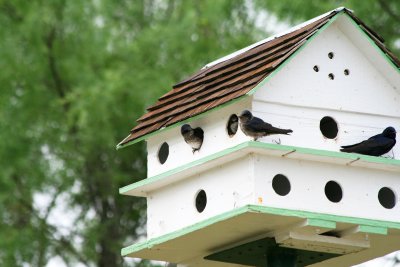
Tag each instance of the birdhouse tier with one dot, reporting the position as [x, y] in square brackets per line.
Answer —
[336, 204]
[242, 72]
[250, 234]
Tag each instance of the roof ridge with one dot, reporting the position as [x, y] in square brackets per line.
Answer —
[234, 76]
[290, 30]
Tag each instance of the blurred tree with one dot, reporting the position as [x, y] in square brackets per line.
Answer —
[74, 74]
[383, 16]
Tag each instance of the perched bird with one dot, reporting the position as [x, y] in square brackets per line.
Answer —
[376, 145]
[233, 124]
[193, 137]
[256, 127]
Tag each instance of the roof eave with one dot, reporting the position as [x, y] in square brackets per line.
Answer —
[147, 136]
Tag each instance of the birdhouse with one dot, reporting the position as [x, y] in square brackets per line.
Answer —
[219, 196]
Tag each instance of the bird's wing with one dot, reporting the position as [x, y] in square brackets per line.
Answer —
[371, 146]
[259, 125]
[375, 136]
[353, 145]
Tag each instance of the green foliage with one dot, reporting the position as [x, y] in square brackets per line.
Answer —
[382, 16]
[74, 75]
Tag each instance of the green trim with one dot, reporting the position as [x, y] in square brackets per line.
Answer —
[373, 229]
[326, 217]
[372, 42]
[196, 117]
[367, 224]
[189, 165]
[186, 230]
[287, 61]
[321, 223]
[260, 145]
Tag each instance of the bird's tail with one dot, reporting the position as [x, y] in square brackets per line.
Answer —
[283, 131]
[348, 149]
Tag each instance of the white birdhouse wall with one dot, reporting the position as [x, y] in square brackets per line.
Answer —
[216, 139]
[326, 188]
[337, 76]
[285, 183]
[226, 187]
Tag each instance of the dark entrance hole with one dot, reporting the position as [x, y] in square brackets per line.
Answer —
[328, 127]
[281, 184]
[163, 153]
[387, 198]
[333, 191]
[232, 125]
[201, 201]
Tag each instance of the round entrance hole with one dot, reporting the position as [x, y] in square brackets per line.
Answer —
[333, 191]
[328, 127]
[316, 68]
[387, 198]
[281, 184]
[201, 201]
[331, 76]
[163, 153]
[331, 55]
[232, 125]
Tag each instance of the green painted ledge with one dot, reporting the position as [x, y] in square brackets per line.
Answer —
[366, 225]
[250, 146]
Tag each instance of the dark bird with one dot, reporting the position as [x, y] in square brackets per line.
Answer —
[193, 137]
[376, 145]
[256, 127]
[233, 124]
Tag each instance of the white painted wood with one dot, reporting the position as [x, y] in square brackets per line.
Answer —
[216, 139]
[227, 187]
[370, 51]
[191, 248]
[363, 103]
[322, 243]
[248, 180]
[305, 122]
[365, 90]
[360, 188]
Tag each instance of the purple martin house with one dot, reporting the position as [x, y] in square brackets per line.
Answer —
[283, 198]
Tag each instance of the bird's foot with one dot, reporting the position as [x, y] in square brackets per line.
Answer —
[388, 157]
[278, 142]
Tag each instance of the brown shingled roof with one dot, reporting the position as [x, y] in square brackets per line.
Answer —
[231, 79]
